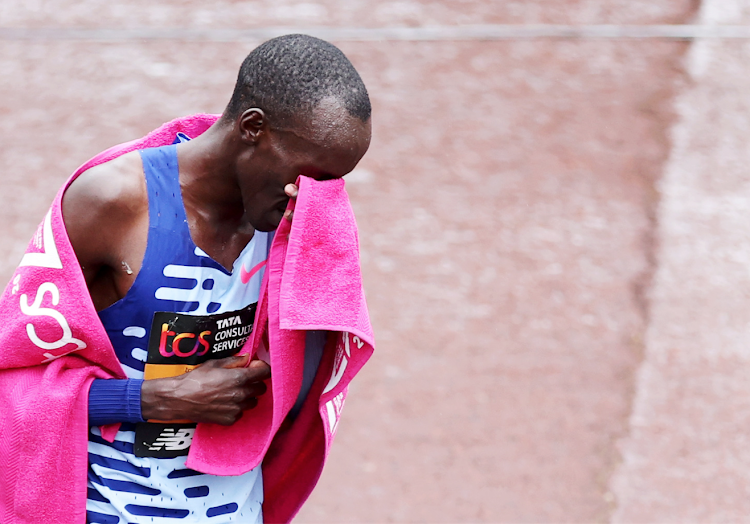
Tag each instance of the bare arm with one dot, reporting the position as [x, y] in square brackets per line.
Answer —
[106, 216]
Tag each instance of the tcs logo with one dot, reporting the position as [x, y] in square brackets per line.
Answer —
[183, 345]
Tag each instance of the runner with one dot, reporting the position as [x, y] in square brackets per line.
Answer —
[172, 243]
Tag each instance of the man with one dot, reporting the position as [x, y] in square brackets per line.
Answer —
[148, 225]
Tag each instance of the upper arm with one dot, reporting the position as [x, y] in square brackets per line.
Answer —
[102, 210]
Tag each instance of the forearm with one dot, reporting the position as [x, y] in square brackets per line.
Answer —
[217, 391]
[114, 400]
[158, 399]
[130, 400]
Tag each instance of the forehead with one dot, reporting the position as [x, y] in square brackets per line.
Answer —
[330, 140]
[330, 126]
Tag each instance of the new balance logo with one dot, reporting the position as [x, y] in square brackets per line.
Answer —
[163, 440]
[169, 440]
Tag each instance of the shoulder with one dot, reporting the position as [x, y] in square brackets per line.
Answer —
[117, 186]
[103, 204]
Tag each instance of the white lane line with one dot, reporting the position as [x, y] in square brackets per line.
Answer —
[688, 424]
[368, 34]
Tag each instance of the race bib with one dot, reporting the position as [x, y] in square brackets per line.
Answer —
[177, 344]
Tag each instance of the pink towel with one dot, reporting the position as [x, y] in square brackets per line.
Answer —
[312, 282]
[59, 346]
[321, 287]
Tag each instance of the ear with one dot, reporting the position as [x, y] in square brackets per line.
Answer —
[252, 124]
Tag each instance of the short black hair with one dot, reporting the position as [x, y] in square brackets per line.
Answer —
[290, 75]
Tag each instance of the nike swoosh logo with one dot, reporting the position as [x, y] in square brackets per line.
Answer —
[246, 275]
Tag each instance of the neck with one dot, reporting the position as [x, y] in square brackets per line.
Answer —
[207, 174]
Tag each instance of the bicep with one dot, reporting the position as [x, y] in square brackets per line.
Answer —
[85, 221]
[102, 209]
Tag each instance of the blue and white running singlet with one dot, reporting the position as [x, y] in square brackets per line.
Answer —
[183, 309]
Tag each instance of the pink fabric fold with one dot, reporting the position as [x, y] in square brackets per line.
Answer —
[56, 345]
[321, 287]
[313, 281]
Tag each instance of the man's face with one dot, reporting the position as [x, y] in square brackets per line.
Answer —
[327, 146]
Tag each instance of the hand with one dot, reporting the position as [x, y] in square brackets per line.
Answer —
[218, 391]
[291, 191]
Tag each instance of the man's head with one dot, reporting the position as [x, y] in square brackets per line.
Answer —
[290, 75]
[299, 107]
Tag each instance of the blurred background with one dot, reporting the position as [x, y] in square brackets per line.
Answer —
[555, 235]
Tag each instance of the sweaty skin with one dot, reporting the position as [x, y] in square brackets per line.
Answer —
[235, 178]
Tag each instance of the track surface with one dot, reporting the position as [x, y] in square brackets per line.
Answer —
[516, 202]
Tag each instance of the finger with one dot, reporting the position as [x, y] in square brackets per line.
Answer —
[291, 190]
[233, 362]
[249, 403]
[230, 418]
[257, 389]
[288, 214]
[258, 370]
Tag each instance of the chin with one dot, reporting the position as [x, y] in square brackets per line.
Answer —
[265, 228]
[267, 224]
